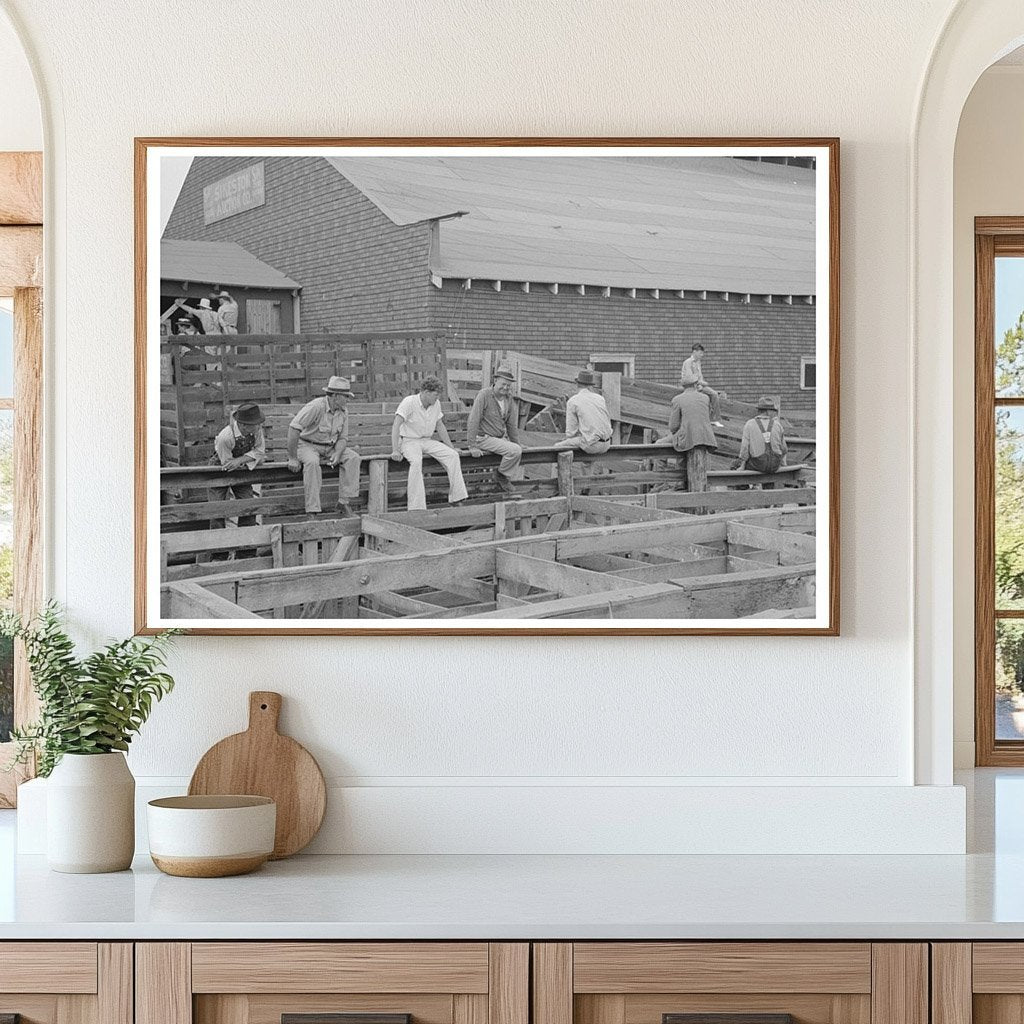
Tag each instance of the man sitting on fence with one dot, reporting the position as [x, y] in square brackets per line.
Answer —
[412, 436]
[690, 423]
[319, 434]
[587, 423]
[240, 445]
[693, 371]
[494, 427]
[763, 446]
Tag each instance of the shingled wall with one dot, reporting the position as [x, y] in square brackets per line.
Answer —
[752, 349]
[358, 270]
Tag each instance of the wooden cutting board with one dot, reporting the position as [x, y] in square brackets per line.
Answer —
[262, 762]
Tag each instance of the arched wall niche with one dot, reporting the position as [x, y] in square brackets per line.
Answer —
[976, 34]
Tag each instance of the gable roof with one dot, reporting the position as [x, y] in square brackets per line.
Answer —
[701, 223]
[225, 263]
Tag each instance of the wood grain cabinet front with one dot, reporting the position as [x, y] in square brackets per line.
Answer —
[332, 983]
[730, 983]
[978, 983]
[66, 982]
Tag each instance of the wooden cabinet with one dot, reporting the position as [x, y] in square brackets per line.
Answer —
[759, 982]
[308, 982]
[977, 983]
[66, 982]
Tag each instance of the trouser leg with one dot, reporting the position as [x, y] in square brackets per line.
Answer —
[449, 458]
[348, 476]
[218, 494]
[716, 403]
[416, 500]
[510, 452]
[312, 475]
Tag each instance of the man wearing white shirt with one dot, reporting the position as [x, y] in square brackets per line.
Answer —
[587, 423]
[240, 445]
[417, 419]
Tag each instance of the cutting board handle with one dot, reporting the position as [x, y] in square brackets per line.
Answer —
[264, 710]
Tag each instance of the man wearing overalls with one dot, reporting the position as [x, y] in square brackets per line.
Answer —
[240, 445]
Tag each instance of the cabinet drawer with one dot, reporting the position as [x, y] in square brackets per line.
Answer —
[66, 982]
[64, 967]
[340, 967]
[332, 983]
[730, 983]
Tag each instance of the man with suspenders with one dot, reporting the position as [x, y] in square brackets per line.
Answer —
[763, 445]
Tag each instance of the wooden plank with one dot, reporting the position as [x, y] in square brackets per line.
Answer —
[21, 259]
[736, 595]
[998, 967]
[187, 600]
[468, 1009]
[624, 511]
[951, 996]
[661, 572]
[189, 541]
[508, 992]
[899, 973]
[115, 983]
[21, 188]
[65, 967]
[552, 983]
[652, 601]
[163, 983]
[793, 548]
[603, 1009]
[627, 967]
[720, 500]
[341, 967]
[564, 580]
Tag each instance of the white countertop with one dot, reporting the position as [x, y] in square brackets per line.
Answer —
[977, 896]
[517, 897]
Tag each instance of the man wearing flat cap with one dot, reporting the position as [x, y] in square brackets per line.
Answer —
[494, 427]
[240, 445]
[763, 445]
[317, 436]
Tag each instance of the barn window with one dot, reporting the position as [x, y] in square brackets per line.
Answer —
[613, 362]
[808, 373]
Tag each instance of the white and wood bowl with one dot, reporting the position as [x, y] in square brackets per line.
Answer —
[211, 836]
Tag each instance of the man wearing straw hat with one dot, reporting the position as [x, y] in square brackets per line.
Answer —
[493, 427]
[318, 435]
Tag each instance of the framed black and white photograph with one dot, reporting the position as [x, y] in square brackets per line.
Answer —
[459, 386]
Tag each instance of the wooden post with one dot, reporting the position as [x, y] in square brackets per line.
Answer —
[564, 474]
[697, 468]
[611, 388]
[485, 368]
[377, 500]
[499, 520]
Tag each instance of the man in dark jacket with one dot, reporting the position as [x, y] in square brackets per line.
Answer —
[493, 427]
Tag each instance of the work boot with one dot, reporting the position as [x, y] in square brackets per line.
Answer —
[505, 484]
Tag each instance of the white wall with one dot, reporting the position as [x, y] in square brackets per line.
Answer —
[428, 717]
[988, 182]
[21, 126]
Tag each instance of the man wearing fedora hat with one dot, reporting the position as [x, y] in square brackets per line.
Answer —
[240, 445]
[494, 427]
[763, 445]
[587, 423]
[318, 435]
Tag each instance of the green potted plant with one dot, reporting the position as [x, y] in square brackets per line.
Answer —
[90, 708]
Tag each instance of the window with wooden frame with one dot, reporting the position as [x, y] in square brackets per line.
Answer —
[21, 365]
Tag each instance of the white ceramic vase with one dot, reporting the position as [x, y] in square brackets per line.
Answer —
[90, 814]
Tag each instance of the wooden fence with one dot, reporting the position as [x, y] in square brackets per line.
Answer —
[201, 384]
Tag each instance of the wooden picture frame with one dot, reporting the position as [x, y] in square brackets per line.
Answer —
[569, 571]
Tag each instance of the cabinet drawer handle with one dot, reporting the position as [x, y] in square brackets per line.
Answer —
[727, 1018]
[338, 1018]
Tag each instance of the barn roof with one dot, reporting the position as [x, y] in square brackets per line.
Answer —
[225, 263]
[702, 223]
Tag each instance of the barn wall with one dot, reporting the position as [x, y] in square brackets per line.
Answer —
[751, 349]
[358, 270]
